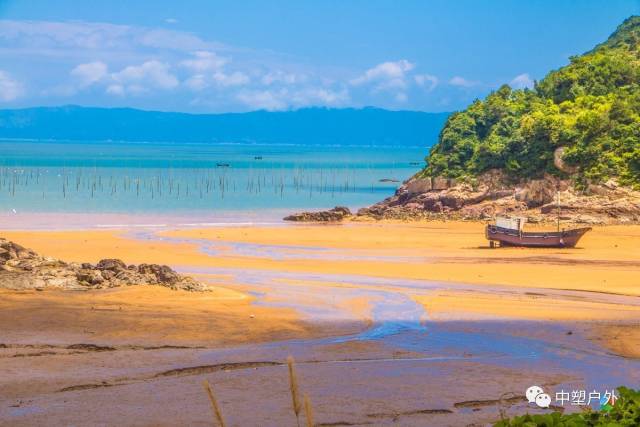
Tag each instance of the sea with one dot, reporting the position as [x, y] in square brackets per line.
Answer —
[205, 182]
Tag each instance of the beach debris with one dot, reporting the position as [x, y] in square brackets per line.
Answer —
[22, 268]
[338, 213]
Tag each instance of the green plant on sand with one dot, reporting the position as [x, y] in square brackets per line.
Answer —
[625, 413]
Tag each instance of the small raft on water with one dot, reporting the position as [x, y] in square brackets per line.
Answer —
[509, 232]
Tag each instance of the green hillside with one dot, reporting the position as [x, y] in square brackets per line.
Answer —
[591, 107]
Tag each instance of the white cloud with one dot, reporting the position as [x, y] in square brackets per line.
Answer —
[264, 100]
[209, 70]
[204, 61]
[522, 81]
[279, 76]
[461, 82]
[10, 89]
[386, 75]
[285, 98]
[234, 79]
[426, 80]
[196, 82]
[187, 69]
[90, 73]
[137, 79]
[396, 78]
[314, 96]
[401, 97]
[71, 39]
[171, 21]
[115, 89]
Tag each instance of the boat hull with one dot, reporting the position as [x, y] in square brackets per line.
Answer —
[554, 239]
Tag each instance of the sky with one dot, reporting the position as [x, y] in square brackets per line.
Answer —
[232, 56]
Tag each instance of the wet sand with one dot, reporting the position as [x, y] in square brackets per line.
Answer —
[146, 316]
[391, 323]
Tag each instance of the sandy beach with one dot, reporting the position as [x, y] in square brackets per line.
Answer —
[606, 261]
[354, 303]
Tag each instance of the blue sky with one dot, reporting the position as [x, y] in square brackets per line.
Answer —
[219, 56]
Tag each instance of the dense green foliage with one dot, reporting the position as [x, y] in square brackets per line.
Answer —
[591, 107]
[625, 413]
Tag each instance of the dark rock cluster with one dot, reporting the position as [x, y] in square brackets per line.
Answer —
[22, 268]
[333, 215]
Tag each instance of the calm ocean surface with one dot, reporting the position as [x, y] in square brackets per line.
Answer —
[199, 179]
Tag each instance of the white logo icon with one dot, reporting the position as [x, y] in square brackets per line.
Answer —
[532, 392]
[535, 394]
[543, 400]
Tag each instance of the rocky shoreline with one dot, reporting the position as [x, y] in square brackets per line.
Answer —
[22, 268]
[491, 195]
[332, 215]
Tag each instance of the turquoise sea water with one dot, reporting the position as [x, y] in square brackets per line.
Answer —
[164, 178]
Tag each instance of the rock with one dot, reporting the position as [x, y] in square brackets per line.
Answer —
[21, 268]
[538, 192]
[336, 214]
[439, 183]
[418, 185]
[493, 194]
[163, 274]
[111, 264]
[89, 277]
[559, 162]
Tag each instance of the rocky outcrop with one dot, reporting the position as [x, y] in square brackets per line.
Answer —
[333, 215]
[558, 161]
[492, 195]
[22, 268]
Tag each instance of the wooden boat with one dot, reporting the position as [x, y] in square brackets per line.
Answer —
[538, 239]
[509, 232]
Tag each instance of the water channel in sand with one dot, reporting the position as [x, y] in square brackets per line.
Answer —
[399, 322]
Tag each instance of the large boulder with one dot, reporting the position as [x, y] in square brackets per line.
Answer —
[418, 185]
[538, 192]
[559, 162]
[336, 214]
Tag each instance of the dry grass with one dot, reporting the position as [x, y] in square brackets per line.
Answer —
[308, 410]
[295, 398]
[293, 387]
[214, 403]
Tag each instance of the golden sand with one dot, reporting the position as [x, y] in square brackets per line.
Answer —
[608, 259]
[144, 315]
[620, 339]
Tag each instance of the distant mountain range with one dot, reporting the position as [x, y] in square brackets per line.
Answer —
[306, 126]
